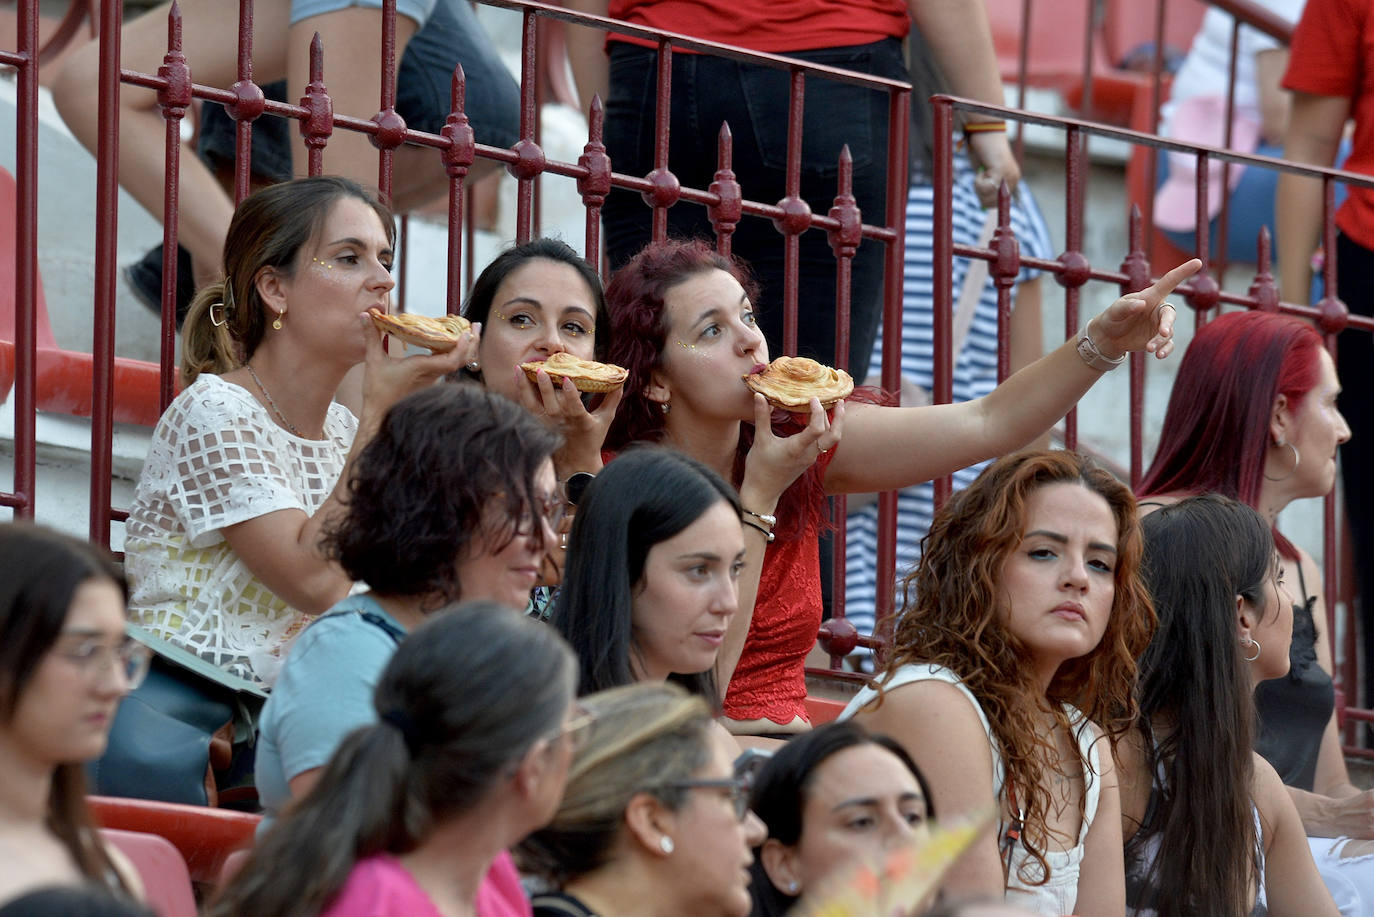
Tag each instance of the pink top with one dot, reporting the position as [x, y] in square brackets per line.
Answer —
[380, 886]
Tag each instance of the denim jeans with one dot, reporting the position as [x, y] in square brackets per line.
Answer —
[450, 36]
[754, 101]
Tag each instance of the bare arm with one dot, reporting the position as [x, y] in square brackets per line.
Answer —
[1273, 98]
[1292, 884]
[283, 548]
[587, 55]
[888, 448]
[1101, 879]
[939, 728]
[1027, 336]
[1315, 124]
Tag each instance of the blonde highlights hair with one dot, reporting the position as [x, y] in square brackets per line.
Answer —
[643, 738]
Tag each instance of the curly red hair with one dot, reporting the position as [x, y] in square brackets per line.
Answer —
[952, 616]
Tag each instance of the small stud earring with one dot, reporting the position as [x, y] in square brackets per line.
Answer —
[665, 843]
[792, 887]
[664, 405]
[276, 323]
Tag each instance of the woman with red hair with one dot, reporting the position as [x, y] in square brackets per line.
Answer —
[683, 324]
[1253, 416]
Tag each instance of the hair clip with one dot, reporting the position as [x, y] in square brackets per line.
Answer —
[222, 319]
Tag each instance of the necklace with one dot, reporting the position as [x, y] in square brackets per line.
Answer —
[270, 403]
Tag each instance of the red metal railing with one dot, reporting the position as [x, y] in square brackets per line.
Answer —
[594, 174]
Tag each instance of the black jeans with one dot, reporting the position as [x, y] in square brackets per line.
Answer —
[754, 101]
[1355, 366]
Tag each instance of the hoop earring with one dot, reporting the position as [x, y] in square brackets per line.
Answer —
[1297, 460]
[1256, 644]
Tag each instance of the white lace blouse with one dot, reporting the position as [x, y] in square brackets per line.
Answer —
[217, 459]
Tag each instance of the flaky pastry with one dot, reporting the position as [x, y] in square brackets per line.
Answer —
[587, 375]
[438, 334]
[791, 382]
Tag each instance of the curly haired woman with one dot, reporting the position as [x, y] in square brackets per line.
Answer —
[1014, 658]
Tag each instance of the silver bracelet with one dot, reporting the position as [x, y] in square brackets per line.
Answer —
[1096, 359]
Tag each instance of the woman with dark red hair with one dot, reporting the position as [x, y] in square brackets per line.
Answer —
[1253, 416]
[683, 324]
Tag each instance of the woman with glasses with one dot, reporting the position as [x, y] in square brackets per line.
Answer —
[654, 819]
[413, 809]
[651, 583]
[449, 502]
[65, 664]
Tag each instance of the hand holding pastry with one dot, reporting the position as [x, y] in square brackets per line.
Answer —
[387, 378]
[774, 462]
[439, 335]
[584, 431]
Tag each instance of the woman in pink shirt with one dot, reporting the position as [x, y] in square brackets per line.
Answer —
[412, 811]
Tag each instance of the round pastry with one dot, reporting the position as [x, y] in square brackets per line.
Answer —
[587, 375]
[438, 334]
[791, 382]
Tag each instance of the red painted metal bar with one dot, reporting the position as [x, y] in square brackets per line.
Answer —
[1076, 268]
[1136, 267]
[458, 157]
[596, 185]
[173, 100]
[25, 262]
[943, 278]
[531, 158]
[796, 212]
[663, 187]
[1006, 265]
[391, 126]
[726, 213]
[1228, 117]
[106, 244]
[246, 109]
[319, 120]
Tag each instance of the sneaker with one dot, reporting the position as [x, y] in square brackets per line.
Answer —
[145, 280]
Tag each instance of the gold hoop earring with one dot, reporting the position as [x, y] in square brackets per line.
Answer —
[1297, 460]
[1256, 644]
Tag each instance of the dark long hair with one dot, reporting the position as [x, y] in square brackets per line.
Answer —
[420, 488]
[267, 230]
[465, 696]
[951, 617]
[1201, 553]
[42, 572]
[645, 496]
[1216, 430]
[781, 789]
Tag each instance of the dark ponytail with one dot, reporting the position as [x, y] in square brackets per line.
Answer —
[466, 694]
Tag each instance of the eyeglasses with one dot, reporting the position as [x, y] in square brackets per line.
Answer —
[94, 658]
[737, 789]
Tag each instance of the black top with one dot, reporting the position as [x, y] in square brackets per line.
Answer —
[1293, 710]
[557, 904]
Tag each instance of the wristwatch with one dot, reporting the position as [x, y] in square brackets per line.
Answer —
[1088, 353]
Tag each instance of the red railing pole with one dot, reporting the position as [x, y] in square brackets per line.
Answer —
[106, 247]
[595, 187]
[26, 260]
[392, 125]
[248, 107]
[173, 100]
[943, 272]
[531, 158]
[1136, 267]
[796, 212]
[319, 120]
[726, 210]
[1076, 268]
[458, 157]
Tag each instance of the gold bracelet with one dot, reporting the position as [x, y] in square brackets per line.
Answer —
[754, 525]
[985, 127]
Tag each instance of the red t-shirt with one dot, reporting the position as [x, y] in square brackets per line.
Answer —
[773, 27]
[1332, 48]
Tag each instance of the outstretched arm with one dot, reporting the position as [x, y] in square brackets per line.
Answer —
[887, 448]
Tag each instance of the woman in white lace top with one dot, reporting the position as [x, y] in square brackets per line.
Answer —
[223, 539]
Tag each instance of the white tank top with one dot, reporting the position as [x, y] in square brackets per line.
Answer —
[1059, 895]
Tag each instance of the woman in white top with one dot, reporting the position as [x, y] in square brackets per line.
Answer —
[1018, 638]
[250, 460]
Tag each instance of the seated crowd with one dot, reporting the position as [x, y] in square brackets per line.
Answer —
[1078, 681]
